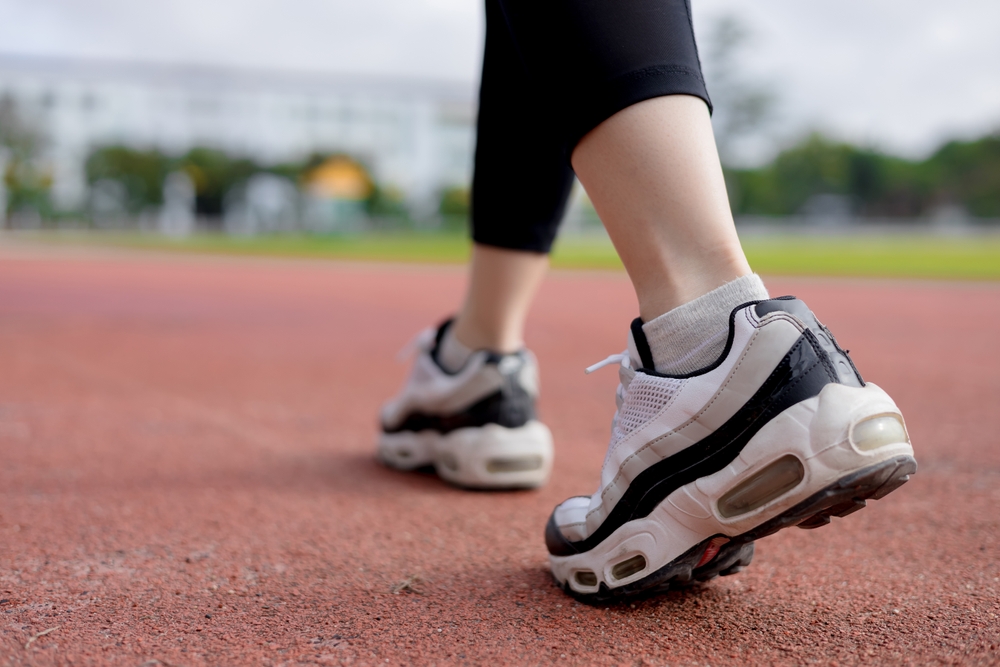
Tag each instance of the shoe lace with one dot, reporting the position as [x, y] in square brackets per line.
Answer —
[423, 341]
[625, 374]
[612, 359]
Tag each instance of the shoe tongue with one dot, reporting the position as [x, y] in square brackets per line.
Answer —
[638, 347]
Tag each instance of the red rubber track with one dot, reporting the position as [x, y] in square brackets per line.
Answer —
[187, 478]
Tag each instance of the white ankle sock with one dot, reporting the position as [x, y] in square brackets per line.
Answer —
[693, 335]
[452, 354]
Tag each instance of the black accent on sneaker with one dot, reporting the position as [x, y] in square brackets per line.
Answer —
[838, 358]
[511, 406]
[642, 344]
[438, 337]
[677, 574]
[649, 367]
[800, 375]
[845, 496]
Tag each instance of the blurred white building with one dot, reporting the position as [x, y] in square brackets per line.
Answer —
[417, 136]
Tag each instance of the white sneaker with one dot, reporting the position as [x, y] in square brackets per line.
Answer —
[476, 426]
[780, 431]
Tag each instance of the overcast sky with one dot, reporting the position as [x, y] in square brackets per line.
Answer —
[899, 74]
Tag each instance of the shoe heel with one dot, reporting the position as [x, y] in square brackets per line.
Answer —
[496, 457]
[845, 496]
[407, 450]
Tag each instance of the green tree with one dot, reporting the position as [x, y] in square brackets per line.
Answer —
[141, 172]
[386, 203]
[454, 207]
[814, 166]
[26, 180]
[968, 173]
[878, 185]
[213, 173]
[454, 202]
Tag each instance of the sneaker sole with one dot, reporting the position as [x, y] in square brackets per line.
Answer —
[848, 495]
[485, 457]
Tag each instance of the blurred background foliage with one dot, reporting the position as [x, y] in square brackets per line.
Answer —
[141, 172]
[26, 178]
[872, 184]
[959, 173]
[214, 174]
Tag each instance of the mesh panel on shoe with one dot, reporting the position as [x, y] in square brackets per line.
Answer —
[645, 397]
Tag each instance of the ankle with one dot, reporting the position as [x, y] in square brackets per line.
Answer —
[487, 334]
[692, 336]
[452, 354]
[679, 282]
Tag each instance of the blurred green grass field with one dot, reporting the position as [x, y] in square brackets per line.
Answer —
[973, 257]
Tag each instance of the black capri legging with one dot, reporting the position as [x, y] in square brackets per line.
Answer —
[553, 70]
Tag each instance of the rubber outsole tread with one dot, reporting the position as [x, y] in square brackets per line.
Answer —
[842, 498]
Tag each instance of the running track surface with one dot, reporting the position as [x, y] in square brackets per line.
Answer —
[187, 478]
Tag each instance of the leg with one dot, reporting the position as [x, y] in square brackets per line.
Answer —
[519, 192]
[502, 284]
[468, 408]
[625, 81]
[653, 174]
